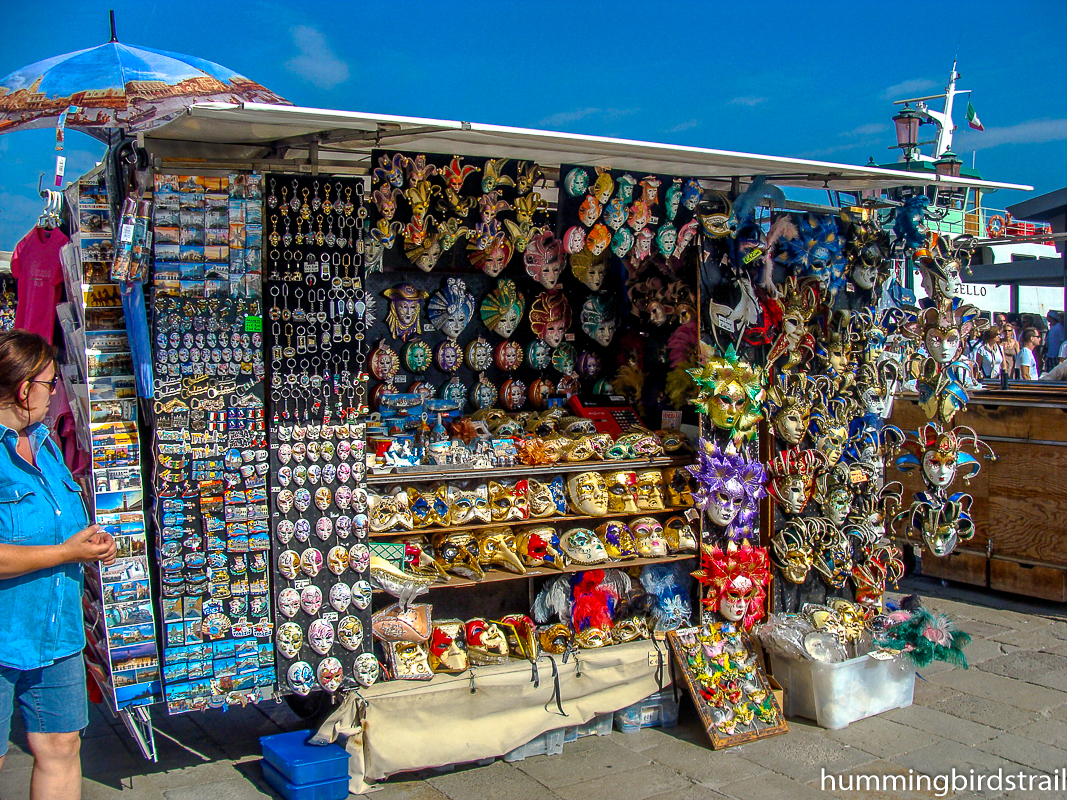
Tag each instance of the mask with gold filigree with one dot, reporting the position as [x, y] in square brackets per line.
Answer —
[458, 552]
[791, 549]
[508, 501]
[648, 531]
[792, 478]
[446, 647]
[618, 540]
[469, 506]
[581, 546]
[795, 344]
[679, 535]
[588, 493]
[546, 499]
[735, 582]
[486, 643]
[389, 512]
[650, 490]
[731, 393]
[539, 547]
[430, 508]
[622, 492]
[679, 485]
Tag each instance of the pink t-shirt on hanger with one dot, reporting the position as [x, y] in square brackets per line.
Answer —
[36, 266]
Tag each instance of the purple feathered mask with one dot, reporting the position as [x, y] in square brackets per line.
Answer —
[729, 487]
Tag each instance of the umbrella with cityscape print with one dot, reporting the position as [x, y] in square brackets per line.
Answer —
[118, 86]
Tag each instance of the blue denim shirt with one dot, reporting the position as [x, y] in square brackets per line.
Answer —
[40, 612]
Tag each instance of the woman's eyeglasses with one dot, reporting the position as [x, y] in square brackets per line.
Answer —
[50, 384]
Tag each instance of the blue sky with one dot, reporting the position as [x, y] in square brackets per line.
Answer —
[787, 78]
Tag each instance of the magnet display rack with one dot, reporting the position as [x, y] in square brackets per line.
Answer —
[317, 344]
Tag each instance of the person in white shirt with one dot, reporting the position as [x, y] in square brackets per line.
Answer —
[1026, 361]
[990, 355]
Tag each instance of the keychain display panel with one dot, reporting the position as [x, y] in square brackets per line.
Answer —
[317, 343]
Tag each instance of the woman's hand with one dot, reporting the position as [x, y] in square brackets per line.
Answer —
[90, 545]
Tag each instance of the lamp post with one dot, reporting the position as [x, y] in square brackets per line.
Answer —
[948, 165]
[907, 127]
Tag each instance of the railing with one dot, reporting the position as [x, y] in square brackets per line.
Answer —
[991, 223]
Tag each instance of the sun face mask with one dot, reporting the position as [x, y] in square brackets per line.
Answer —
[469, 506]
[618, 540]
[650, 490]
[502, 308]
[508, 500]
[649, 534]
[588, 493]
[622, 492]
[581, 546]
[451, 308]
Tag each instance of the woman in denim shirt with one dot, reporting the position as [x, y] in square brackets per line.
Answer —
[45, 537]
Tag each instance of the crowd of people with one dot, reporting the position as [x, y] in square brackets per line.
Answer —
[1024, 347]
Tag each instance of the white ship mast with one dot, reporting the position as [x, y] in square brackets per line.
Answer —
[942, 119]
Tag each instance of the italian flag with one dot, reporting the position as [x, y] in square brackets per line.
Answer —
[972, 118]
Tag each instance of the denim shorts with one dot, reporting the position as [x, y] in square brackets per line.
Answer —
[52, 699]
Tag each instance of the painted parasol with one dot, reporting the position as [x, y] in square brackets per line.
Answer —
[118, 86]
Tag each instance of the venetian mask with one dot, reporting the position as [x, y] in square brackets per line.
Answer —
[589, 210]
[290, 639]
[576, 182]
[289, 602]
[410, 661]
[330, 674]
[589, 269]
[833, 558]
[650, 490]
[539, 547]
[574, 240]
[469, 506]
[404, 308]
[430, 508]
[598, 319]
[496, 547]
[301, 678]
[588, 493]
[446, 647]
[550, 316]
[679, 484]
[457, 552]
[622, 242]
[618, 540]
[731, 393]
[367, 669]
[451, 308]
[649, 534]
[546, 499]
[486, 643]
[502, 308]
[320, 636]
[792, 478]
[544, 259]
[492, 258]
[581, 546]
[942, 344]
[622, 492]
[389, 512]
[680, 536]
[350, 633]
[508, 500]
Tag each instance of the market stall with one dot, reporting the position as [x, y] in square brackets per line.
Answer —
[422, 398]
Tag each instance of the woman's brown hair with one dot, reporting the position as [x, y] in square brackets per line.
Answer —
[23, 356]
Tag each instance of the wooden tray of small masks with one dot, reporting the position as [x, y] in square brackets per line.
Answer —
[731, 692]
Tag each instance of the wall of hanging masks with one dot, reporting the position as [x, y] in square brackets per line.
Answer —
[317, 342]
[211, 516]
[805, 328]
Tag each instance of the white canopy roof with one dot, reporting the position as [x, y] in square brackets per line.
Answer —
[344, 135]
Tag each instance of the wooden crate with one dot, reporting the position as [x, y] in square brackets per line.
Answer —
[961, 566]
[1032, 580]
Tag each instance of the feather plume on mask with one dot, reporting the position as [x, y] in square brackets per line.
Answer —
[783, 228]
[670, 584]
[683, 344]
[597, 595]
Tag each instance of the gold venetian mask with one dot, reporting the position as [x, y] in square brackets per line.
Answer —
[588, 493]
[680, 536]
[650, 490]
[389, 512]
[622, 492]
[679, 484]
[429, 508]
[496, 547]
[545, 499]
[539, 547]
[410, 661]
[618, 540]
[458, 552]
[508, 501]
[579, 449]
[446, 647]
[649, 534]
[469, 507]
[485, 643]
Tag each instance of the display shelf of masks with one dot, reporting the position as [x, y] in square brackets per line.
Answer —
[98, 377]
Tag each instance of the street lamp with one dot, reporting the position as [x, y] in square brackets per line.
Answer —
[948, 165]
[907, 125]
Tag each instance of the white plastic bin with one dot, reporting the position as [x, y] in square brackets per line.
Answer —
[835, 695]
[659, 710]
[549, 743]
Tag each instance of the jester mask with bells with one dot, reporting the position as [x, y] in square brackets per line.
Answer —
[451, 308]
[940, 263]
[795, 342]
[543, 259]
[599, 318]
[833, 554]
[833, 494]
[941, 375]
[873, 570]
[729, 487]
[829, 425]
[941, 456]
[550, 316]
[731, 393]
[458, 553]
[792, 478]
[735, 582]
[834, 353]
[790, 397]
[792, 552]
[502, 308]
[866, 248]
[941, 522]
[539, 547]
[404, 319]
[497, 548]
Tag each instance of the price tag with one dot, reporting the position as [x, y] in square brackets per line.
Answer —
[303, 583]
[330, 616]
[253, 324]
[568, 337]
[692, 515]
[400, 379]
[672, 420]
[126, 234]
[61, 168]
[724, 323]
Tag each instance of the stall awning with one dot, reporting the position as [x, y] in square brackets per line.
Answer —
[342, 135]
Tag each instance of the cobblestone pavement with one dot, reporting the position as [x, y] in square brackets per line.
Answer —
[1008, 710]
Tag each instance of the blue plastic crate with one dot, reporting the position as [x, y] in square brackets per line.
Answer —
[549, 743]
[656, 711]
[333, 789]
[300, 763]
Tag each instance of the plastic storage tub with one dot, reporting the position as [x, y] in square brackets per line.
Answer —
[835, 695]
[333, 789]
[657, 710]
[600, 725]
[300, 763]
[549, 743]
